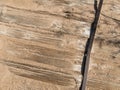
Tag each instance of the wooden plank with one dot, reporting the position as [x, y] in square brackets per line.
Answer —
[42, 43]
[104, 70]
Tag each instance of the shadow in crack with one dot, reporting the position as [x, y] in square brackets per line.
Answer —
[85, 63]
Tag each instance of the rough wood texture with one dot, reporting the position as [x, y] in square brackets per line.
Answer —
[104, 73]
[42, 43]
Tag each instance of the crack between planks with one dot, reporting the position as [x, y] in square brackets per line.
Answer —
[86, 58]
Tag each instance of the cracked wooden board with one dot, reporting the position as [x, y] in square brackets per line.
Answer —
[42, 44]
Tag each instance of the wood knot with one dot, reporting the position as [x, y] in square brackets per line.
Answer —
[68, 14]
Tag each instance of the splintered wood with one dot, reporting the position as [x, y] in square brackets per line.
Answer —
[42, 43]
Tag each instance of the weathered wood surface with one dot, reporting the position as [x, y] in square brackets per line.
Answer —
[104, 73]
[42, 43]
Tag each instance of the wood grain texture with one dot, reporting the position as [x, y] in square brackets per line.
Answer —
[104, 73]
[42, 43]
